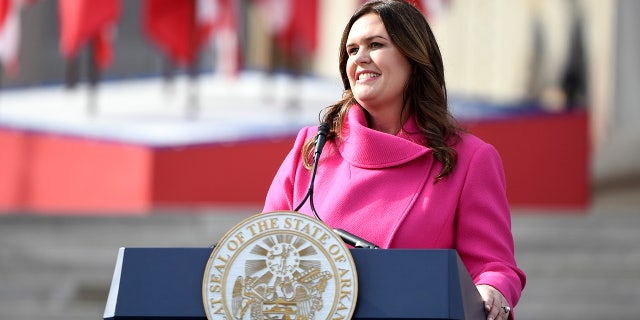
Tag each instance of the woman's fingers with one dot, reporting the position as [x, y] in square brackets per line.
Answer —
[496, 306]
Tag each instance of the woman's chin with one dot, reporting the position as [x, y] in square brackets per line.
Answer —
[364, 97]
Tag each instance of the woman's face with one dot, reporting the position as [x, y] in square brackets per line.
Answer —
[376, 69]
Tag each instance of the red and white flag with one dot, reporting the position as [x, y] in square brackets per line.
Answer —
[431, 9]
[293, 23]
[10, 34]
[220, 17]
[276, 14]
[85, 22]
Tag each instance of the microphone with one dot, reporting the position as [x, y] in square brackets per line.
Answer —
[348, 238]
[321, 138]
[354, 240]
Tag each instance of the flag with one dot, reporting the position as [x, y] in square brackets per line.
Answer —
[175, 28]
[304, 26]
[220, 19]
[293, 23]
[431, 9]
[10, 34]
[276, 14]
[85, 22]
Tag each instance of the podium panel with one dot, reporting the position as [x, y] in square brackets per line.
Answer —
[392, 284]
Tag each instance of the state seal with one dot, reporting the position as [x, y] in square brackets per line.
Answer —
[280, 265]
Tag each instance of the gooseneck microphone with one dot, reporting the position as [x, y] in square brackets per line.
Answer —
[348, 238]
[321, 138]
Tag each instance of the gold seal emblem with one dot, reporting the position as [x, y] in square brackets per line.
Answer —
[280, 265]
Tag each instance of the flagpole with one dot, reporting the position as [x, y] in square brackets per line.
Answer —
[1, 79]
[193, 107]
[71, 72]
[168, 75]
[193, 92]
[93, 73]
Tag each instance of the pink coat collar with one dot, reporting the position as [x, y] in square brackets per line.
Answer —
[364, 147]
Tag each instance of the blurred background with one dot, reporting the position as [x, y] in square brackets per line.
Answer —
[160, 123]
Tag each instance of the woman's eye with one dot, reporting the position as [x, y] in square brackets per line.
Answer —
[376, 45]
[352, 51]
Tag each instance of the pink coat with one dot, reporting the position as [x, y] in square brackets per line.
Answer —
[382, 188]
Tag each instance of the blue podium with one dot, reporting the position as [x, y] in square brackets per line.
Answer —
[166, 283]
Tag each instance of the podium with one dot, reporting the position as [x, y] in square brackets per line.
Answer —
[166, 283]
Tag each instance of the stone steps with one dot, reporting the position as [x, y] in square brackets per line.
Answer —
[579, 266]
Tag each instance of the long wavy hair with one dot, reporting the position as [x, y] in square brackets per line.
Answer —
[425, 93]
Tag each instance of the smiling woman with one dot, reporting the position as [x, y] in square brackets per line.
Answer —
[398, 170]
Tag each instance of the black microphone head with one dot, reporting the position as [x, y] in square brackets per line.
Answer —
[321, 137]
[323, 129]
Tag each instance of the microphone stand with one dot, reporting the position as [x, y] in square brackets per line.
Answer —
[348, 238]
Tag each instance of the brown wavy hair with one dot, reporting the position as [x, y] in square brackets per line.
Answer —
[425, 94]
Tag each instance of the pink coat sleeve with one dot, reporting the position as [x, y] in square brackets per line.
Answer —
[484, 239]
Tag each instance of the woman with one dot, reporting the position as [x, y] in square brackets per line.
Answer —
[396, 170]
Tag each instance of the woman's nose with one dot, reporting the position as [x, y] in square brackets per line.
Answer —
[363, 56]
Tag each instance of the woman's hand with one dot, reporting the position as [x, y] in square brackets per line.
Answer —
[495, 304]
